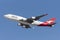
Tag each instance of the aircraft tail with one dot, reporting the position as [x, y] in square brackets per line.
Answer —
[51, 22]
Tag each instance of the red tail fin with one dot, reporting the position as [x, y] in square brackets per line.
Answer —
[52, 20]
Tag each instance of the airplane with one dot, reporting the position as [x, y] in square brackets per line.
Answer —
[27, 22]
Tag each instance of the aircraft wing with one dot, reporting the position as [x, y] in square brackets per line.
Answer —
[38, 17]
[30, 20]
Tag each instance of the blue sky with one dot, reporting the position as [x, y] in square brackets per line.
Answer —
[27, 8]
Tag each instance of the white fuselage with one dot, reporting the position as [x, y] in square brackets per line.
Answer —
[21, 19]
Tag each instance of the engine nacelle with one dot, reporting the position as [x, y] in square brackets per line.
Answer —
[19, 24]
[33, 17]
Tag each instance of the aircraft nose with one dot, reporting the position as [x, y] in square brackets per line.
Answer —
[6, 16]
